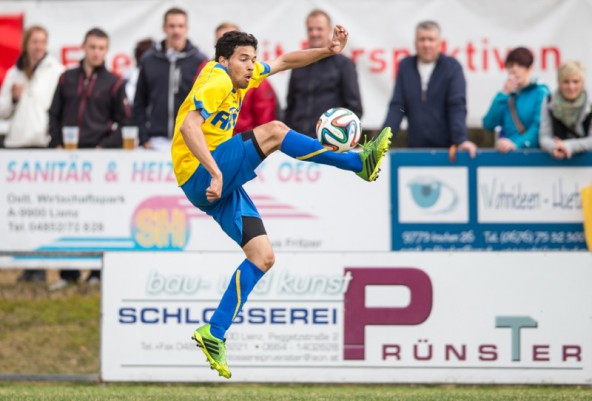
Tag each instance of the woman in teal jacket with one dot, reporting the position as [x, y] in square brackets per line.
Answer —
[517, 108]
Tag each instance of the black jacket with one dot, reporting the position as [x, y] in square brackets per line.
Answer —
[96, 104]
[162, 87]
[314, 89]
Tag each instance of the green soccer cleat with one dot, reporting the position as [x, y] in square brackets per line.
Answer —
[372, 153]
[213, 348]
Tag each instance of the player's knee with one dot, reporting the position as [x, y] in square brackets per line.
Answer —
[267, 260]
[270, 135]
[277, 125]
[278, 129]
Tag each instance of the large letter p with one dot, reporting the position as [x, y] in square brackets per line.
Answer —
[357, 316]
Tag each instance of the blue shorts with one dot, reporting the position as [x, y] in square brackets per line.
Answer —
[237, 159]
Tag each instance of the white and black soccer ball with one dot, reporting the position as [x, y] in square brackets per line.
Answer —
[339, 129]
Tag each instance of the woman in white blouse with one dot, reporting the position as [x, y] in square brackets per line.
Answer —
[27, 92]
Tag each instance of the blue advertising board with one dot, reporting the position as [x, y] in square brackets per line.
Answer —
[498, 202]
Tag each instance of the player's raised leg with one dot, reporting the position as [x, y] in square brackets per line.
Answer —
[366, 164]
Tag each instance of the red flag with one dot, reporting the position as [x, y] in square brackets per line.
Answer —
[11, 36]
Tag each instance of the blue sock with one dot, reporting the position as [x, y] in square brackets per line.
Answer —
[243, 280]
[305, 148]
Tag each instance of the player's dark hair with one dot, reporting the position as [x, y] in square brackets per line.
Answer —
[520, 56]
[231, 40]
[97, 33]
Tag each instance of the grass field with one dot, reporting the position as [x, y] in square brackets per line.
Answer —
[255, 392]
[48, 332]
[58, 333]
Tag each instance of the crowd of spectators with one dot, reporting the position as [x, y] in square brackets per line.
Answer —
[41, 99]
[429, 91]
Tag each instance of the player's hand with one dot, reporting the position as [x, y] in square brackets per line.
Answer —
[339, 39]
[505, 145]
[214, 191]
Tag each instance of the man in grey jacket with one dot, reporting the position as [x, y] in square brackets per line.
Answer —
[166, 76]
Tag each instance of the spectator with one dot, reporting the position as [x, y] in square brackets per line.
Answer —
[565, 117]
[93, 99]
[131, 78]
[517, 108]
[430, 90]
[27, 90]
[260, 104]
[25, 98]
[331, 82]
[166, 76]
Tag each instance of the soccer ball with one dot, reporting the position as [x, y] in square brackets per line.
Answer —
[339, 129]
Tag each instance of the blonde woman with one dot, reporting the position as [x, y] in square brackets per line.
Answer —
[566, 115]
[27, 92]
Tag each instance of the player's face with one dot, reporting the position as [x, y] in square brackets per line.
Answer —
[175, 29]
[427, 45]
[319, 31]
[241, 65]
[571, 86]
[95, 50]
[37, 45]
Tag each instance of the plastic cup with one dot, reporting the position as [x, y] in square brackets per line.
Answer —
[70, 137]
[130, 137]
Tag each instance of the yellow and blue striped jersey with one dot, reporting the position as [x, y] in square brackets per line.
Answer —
[219, 104]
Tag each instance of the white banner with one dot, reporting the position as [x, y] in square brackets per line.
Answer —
[531, 195]
[478, 33]
[355, 317]
[120, 200]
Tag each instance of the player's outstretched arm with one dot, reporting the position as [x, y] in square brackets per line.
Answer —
[196, 142]
[301, 58]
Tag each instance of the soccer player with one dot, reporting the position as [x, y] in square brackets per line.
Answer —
[211, 165]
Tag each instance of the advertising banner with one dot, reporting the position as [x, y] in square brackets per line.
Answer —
[517, 201]
[355, 317]
[90, 200]
[478, 33]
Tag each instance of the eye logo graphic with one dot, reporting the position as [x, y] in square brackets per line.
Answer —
[432, 195]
